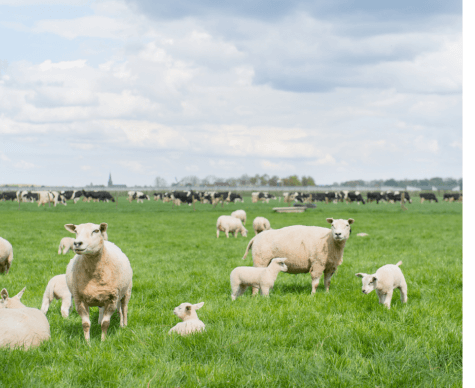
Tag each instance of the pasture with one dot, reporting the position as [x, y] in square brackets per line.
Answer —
[292, 339]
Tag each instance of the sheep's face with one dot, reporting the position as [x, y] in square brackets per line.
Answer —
[89, 237]
[369, 282]
[341, 229]
[187, 310]
[11, 303]
[244, 231]
[280, 261]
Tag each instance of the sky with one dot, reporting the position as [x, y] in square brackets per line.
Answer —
[335, 89]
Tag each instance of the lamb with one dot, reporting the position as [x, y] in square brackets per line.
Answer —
[191, 323]
[230, 224]
[6, 255]
[241, 214]
[384, 281]
[22, 327]
[98, 275]
[307, 248]
[57, 289]
[260, 224]
[257, 278]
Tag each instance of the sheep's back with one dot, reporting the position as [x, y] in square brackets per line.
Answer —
[25, 327]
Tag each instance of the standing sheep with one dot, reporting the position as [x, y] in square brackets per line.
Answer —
[57, 289]
[98, 275]
[230, 224]
[260, 224]
[241, 214]
[191, 323]
[257, 278]
[21, 326]
[6, 255]
[384, 281]
[307, 249]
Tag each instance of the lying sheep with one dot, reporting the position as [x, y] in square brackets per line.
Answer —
[307, 249]
[21, 326]
[57, 289]
[257, 278]
[230, 224]
[98, 275]
[6, 255]
[67, 243]
[191, 323]
[241, 214]
[260, 224]
[384, 281]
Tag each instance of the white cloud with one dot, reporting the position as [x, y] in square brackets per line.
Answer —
[281, 167]
[326, 160]
[24, 165]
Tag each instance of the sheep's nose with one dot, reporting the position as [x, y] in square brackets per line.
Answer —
[77, 243]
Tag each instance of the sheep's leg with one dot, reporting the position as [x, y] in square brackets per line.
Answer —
[226, 231]
[265, 291]
[45, 305]
[235, 233]
[255, 290]
[316, 272]
[217, 233]
[389, 296]
[83, 311]
[403, 291]
[59, 249]
[124, 308]
[101, 314]
[66, 307]
[108, 311]
[238, 291]
[327, 279]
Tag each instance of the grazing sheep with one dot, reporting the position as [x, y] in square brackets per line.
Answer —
[57, 289]
[191, 323]
[384, 281]
[230, 224]
[307, 249]
[98, 275]
[241, 214]
[260, 224]
[21, 326]
[257, 278]
[6, 255]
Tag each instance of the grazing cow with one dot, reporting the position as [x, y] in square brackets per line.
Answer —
[188, 197]
[72, 194]
[376, 196]
[8, 196]
[428, 197]
[262, 196]
[451, 197]
[397, 197]
[355, 196]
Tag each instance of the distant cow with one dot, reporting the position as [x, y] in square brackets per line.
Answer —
[8, 196]
[450, 197]
[376, 196]
[428, 197]
[262, 196]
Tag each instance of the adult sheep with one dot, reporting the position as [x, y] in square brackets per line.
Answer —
[241, 214]
[98, 275]
[6, 255]
[307, 248]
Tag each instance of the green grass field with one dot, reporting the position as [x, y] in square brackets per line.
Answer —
[292, 339]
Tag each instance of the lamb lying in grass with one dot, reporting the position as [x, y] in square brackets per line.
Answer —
[191, 323]
[384, 281]
[57, 289]
[263, 278]
[21, 326]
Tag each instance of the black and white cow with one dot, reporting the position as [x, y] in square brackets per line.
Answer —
[75, 195]
[376, 196]
[262, 196]
[428, 197]
[450, 197]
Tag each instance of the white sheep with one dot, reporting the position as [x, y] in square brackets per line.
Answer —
[98, 275]
[230, 224]
[257, 278]
[191, 323]
[57, 289]
[65, 245]
[307, 249]
[241, 214]
[6, 255]
[21, 326]
[260, 224]
[384, 281]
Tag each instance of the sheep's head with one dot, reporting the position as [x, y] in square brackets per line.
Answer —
[280, 262]
[89, 237]
[341, 229]
[244, 231]
[187, 311]
[11, 303]
[369, 282]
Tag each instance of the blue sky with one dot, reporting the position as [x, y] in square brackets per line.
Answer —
[338, 90]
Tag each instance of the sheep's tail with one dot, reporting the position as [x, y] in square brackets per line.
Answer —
[399, 263]
[248, 247]
[59, 249]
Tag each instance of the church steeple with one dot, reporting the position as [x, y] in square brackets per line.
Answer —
[110, 180]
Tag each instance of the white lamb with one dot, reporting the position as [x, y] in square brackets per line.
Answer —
[384, 281]
[65, 245]
[257, 278]
[231, 224]
[241, 214]
[191, 323]
[21, 326]
[260, 224]
[57, 289]
[6, 255]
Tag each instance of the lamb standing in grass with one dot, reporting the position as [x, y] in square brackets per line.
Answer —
[257, 278]
[384, 281]
[6, 255]
[241, 214]
[230, 224]
[260, 224]
[98, 275]
[57, 289]
[21, 326]
[191, 323]
[65, 245]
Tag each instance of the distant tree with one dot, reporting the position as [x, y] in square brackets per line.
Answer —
[160, 182]
[292, 180]
[255, 180]
[274, 181]
[390, 182]
[308, 181]
[264, 179]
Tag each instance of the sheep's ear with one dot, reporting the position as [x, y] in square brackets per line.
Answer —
[350, 220]
[330, 220]
[360, 275]
[103, 227]
[20, 294]
[198, 305]
[70, 228]
[374, 279]
[4, 294]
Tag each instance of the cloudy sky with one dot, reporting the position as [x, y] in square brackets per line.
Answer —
[335, 89]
